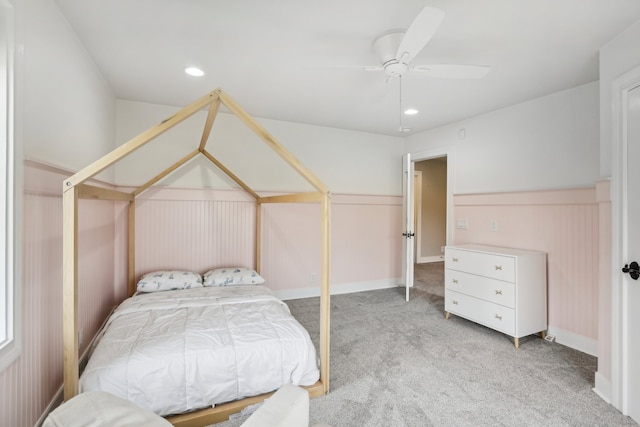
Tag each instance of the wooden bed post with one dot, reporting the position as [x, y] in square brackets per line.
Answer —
[211, 116]
[131, 238]
[325, 291]
[70, 290]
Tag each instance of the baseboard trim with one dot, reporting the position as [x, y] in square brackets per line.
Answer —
[426, 259]
[602, 388]
[342, 288]
[575, 341]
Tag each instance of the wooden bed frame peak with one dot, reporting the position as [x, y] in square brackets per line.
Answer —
[74, 188]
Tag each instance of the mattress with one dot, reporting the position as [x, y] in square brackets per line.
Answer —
[176, 351]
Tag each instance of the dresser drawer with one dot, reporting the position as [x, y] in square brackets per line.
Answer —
[492, 290]
[486, 313]
[498, 267]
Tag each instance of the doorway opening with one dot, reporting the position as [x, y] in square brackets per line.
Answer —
[430, 207]
[430, 218]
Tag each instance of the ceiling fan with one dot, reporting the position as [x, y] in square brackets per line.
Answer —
[396, 49]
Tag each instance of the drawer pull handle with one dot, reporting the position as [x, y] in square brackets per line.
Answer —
[454, 259]
[454, 302]
[498, 292]
[498, 317]
[455, 280]
[498, 267]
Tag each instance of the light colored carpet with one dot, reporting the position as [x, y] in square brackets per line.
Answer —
[395, 363]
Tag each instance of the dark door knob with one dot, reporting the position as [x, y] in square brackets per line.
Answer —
[633, 269]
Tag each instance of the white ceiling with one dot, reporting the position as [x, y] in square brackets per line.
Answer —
[283, 59]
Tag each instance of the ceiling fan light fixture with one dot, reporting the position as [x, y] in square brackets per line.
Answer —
[194, 71]
[395, 68]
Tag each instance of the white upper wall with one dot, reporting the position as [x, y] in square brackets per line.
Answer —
[549, 142]
[68, 111]
[616, 58]
[345, 161]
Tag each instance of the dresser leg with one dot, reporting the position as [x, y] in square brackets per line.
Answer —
[516, 342]
[543, 334]
[446, 315]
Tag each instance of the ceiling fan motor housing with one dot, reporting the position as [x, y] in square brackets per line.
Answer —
[385, 47]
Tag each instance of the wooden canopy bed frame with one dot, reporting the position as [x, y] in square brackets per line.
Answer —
[74, 188]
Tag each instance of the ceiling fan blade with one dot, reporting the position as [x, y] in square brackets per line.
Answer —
[419, 33]
[453, 71]
[349, 67]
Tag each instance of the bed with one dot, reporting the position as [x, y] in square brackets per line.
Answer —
[179, 350]
[76, 188]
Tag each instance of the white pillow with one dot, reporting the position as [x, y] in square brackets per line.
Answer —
[230, 276]
[169, 280]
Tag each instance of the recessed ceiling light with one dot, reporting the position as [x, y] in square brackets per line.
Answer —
[194, 71]
[410, 111]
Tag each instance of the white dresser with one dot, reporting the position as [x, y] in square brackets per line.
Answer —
[502, 288]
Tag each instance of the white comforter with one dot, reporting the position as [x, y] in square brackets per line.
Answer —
[176, 351]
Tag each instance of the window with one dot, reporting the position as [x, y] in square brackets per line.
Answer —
[9, 307]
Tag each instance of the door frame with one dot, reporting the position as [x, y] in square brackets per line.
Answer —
[435, 153]
[619, 283]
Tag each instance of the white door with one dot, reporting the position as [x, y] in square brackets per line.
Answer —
[631, 251]
[408, 231]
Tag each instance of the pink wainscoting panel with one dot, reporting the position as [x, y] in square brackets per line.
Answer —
[564, 224]
[217, 228]
[96, 252]
[290, 245]
[365, 242]
[121, 251]
[194, 235]
[28, 386]
[367, 238]
[38, 371]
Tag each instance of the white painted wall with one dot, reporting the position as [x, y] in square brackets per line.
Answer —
[545, 143]
[68, 108]
[346, 161]
[616, 58]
